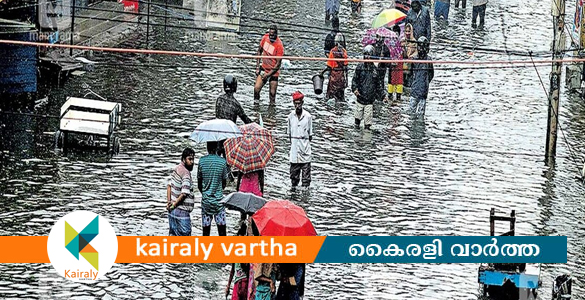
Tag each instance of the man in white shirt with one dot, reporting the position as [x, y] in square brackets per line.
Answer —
[300, 133]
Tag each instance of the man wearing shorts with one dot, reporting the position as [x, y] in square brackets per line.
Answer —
[270, 45]
[212, 174]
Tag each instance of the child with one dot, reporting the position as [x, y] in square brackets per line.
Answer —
[396, 71]
[422, 75]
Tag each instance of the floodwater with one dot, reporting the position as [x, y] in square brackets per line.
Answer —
[481, 146]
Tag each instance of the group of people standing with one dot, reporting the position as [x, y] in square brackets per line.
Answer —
[213, 171]
[258, 281]
[251, 281]
[367, 84]
[369, 79]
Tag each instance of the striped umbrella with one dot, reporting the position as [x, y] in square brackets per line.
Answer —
[252, 151]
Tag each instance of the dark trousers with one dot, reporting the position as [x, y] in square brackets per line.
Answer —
[295, 173]
[463, 3]
[478, 10]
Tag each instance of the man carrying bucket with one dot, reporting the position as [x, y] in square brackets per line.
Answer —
[338, 70]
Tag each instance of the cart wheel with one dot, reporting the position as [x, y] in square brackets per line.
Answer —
[116, 145]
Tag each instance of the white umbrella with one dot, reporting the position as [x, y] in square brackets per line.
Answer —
[215, 130]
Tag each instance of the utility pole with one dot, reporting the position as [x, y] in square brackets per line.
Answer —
[558, 13]
[73, 27]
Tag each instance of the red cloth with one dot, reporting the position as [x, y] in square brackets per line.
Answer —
[298, 96]
[335, 53]
[251, 184]
[240, 291]
[397, 74]
[336, 85]
[270, 49]
[130, 5]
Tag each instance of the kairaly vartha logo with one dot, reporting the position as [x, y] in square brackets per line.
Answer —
[82, 246]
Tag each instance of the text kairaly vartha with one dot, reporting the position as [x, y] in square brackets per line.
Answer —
[271, 249]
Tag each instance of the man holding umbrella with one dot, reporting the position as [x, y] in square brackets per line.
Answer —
[227, 107]
[300, 133]
[211, 180]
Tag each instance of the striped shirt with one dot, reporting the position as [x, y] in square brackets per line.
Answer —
[181, 183]
[212, 170]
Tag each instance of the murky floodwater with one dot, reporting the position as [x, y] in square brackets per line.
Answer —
[481, 146]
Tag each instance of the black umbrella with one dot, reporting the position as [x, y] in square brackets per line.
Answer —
[243, 202]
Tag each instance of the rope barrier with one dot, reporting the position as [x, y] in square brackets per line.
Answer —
[292, 58]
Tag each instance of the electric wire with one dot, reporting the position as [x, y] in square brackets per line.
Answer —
[291, 58]
[447, 45]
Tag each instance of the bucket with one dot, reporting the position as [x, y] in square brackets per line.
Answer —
[318, 84]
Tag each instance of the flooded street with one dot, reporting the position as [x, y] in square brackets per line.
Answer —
[481, 146]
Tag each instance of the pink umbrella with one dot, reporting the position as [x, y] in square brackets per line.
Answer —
[391, 40]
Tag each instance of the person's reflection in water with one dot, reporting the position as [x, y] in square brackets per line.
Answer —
[270, 119]
[418, 132]
[300, 194]
[394, 119]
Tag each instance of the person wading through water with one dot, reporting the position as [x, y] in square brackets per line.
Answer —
[270, 45]
[337, 70]
[365, 85]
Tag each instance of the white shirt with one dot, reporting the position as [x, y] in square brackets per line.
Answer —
[299, 130]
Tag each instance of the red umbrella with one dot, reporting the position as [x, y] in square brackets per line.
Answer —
[283, 218]
[252, 151]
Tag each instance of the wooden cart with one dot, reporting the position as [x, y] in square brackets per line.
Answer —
[93, 119]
